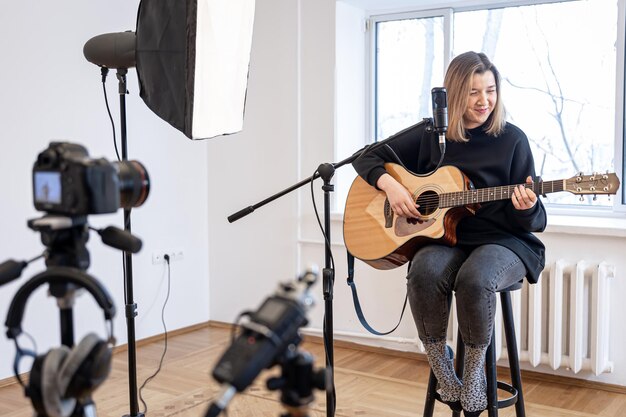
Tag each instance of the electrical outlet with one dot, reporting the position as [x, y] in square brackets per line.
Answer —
[158, 257]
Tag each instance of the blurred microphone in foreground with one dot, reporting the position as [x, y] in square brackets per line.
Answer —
[270, 337]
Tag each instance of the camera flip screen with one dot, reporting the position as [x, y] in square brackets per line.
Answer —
[47, 187]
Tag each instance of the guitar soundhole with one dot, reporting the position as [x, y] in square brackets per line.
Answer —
[428, 202]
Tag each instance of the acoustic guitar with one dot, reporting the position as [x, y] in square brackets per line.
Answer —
[375, 235]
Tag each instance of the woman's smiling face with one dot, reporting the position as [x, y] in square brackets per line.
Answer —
[481, 100]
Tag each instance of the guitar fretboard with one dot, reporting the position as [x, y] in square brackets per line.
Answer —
[481, 195]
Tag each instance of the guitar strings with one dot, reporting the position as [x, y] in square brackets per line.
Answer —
[470, 196]
[430, 198]
[453, 194]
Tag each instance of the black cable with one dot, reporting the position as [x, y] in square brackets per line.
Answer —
[32, 340]
[327, 344]
[319, 222]
[151, 377]
[442, 148]
[104, 71]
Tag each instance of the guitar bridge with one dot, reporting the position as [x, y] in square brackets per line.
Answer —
[388, 212]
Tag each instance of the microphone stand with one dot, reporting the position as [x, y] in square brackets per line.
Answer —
[326, 172]
[130, 305]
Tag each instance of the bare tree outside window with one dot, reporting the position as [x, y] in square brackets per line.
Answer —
[559, 80]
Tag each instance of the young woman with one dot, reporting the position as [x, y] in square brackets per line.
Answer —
[495, 247]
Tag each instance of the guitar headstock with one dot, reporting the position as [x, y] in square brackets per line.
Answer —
[596, 183]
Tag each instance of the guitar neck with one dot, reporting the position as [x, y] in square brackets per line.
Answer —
[504, 192]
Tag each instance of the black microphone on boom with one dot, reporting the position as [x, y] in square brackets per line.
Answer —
[439, 97]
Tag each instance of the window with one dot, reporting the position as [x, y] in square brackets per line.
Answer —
[406, 71]
[558, 61]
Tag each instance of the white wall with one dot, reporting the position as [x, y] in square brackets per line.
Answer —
[249, 256]
[49, 91]
[288, 133]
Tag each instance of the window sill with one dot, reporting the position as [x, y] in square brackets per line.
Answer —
[592, 224]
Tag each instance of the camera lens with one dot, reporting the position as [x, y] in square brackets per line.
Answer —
[134, 183]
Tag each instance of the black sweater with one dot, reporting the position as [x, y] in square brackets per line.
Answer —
[488, 161]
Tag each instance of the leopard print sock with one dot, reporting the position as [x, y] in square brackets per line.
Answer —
[440, 360]
[474, 391]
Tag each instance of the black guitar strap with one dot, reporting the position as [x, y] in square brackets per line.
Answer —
[357, 304]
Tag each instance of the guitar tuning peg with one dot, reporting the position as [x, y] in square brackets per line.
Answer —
[581, 198]
[595, 197]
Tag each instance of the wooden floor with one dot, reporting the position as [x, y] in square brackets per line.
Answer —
[367, 384]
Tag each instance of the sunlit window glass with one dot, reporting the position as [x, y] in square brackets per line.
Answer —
[409, 62]
[558, 67]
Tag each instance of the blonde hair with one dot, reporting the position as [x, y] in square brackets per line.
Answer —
[458, 82]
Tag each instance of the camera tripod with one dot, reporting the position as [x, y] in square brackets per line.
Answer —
[296, 383]
[65, 240]
[67, 259]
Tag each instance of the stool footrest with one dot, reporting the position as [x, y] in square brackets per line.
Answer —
[507, 402]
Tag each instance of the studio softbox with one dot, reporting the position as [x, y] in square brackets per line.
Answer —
[192, 59]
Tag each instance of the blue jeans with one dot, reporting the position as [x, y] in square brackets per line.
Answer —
[436, 271]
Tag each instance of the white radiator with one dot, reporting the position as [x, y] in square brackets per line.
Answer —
[562, 321]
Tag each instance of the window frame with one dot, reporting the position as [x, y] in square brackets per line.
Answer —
[371, 99]
[618, 208]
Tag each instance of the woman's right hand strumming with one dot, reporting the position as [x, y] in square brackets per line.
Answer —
[400, 199]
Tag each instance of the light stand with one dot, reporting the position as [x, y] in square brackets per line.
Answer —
[174, 41]
[130, 306]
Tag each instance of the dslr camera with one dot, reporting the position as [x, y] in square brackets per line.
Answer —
[66, 181]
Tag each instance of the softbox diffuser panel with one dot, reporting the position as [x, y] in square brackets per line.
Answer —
[192, 62]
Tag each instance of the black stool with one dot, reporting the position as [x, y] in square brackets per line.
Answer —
[515, 388]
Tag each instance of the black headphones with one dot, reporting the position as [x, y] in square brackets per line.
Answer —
[63, 375]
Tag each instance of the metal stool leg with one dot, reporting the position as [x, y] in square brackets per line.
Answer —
[492, 378]
[511, 346]
[459, 363]
[429, 405]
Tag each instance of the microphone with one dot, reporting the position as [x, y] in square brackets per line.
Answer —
[10, 270]
[440, 114]
[120, 239]
[111, 50]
